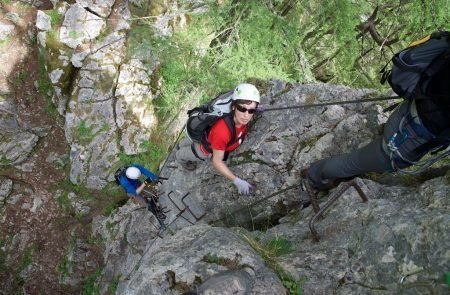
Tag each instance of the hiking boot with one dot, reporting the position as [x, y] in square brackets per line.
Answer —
[331, 183]
[189, 165]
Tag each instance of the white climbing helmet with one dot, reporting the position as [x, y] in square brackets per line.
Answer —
[133, 173]
[247, 92]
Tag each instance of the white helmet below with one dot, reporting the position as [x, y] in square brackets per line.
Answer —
[247, 92]
[133, 173]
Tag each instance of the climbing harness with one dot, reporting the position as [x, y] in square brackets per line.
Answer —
[392, 147]
[153, 204]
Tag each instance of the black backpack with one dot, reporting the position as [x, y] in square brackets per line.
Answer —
[120, 172]
[422, 70]
[202, 118]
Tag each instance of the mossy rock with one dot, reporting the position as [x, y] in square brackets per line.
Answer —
[52, 54]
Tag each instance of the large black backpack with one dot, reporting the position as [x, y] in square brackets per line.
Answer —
[120, 172]
[422, 70]
[202, 118]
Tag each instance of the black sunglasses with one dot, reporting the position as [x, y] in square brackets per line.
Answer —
[243, 110]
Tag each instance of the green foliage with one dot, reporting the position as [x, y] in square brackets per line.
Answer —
[112, 189]
[279, 246]
[227, 262]
[240, 40]
[4, 161]
[141, 40]
[112, 287]
[64, 266]
[340, 53]
[214, 259]
[89, 286]
[55, 17]
[4, 42]
[85, 134]
[20, 78]
[27, 258]
[269, 251]
[115, 196]
[446, 278]
[45, 86]
[63, 198]
[292, 286]
[213, 62]
[78, 189]
[252, 28]
[151, 157]
[3, 255]
[73, 34]
[109, 209]
[63, 202]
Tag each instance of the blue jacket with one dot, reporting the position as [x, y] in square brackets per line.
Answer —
[130, 185]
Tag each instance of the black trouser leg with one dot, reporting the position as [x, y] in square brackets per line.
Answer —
[370, 158]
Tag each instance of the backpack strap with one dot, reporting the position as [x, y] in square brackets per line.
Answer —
[232, 127]
[119, 173]
[442, 140]
[434, 35]
[229, 121]
[442, 60]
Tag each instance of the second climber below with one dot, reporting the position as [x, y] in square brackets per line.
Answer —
[128, 178]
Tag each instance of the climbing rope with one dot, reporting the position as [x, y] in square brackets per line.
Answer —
[306, 106]
[171, 150]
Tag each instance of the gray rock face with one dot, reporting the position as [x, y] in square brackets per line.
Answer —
[5, 30]
[79, 26]
[12, 17]
[8, 115]
[179, 259]
[6, 185]
[228, 282]
[100, 7]
[43, 21]
[134, 111]
[127, 232]
[399, 238]
[104, 95]
[35, 3]
[90, 117]
[396, 241]
[278, 146]
[81, 207]
[80, 258]
[15, 147]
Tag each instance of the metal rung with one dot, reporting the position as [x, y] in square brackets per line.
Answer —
[330, 201]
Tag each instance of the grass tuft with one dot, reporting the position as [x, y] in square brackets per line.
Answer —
[269, 251]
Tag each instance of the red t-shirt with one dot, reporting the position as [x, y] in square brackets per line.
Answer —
[219, 136]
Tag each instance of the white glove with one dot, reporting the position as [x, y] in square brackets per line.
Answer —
[242, 186]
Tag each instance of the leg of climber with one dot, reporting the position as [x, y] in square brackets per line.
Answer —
[323, 174]
[186, 157]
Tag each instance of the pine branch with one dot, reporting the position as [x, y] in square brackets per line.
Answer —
[370, 26]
